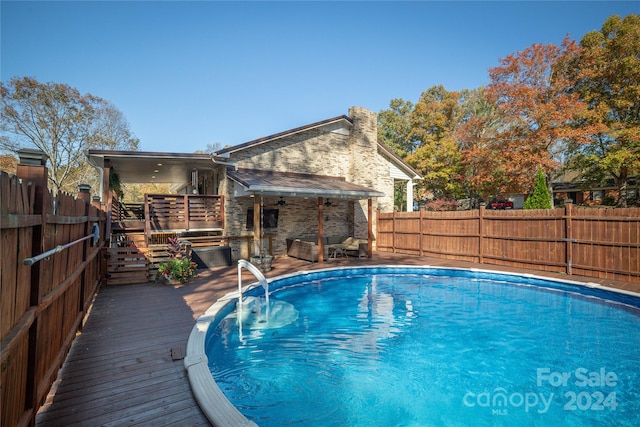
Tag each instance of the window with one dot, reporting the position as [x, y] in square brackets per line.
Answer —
[269, 218]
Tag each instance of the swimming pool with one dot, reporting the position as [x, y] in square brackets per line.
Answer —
[426, 346]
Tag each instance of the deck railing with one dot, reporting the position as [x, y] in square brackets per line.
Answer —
[169, 212]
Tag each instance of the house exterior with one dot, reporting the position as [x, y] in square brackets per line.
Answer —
[326, 178]
[570, 187]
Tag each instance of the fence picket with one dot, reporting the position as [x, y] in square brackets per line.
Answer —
[42, 305]
[592, 242]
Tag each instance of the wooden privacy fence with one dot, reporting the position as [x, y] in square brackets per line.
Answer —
[42, 305]
[592, 242]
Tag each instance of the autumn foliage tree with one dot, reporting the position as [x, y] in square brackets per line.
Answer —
[481, 152]
[606, 76]
[8, 163]
[394, 127]
[63, 123]
[539, 111]
[546, 108]
[437, 155]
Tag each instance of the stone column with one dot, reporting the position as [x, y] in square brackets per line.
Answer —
[363, 143]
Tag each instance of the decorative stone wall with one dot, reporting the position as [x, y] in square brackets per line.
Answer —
[322, 151]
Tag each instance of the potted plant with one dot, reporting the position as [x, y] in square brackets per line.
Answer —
[179, 268]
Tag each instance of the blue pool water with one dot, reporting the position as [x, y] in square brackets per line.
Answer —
[433, 347]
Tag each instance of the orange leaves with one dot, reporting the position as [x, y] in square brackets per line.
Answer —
[538, 108]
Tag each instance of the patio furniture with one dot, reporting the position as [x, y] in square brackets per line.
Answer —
[350, 245]
[303, 249]
[307, 247]
[211, 256]
[336, 251]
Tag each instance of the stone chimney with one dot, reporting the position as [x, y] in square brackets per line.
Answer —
[363, 142]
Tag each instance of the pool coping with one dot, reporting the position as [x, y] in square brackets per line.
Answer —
[212, 401]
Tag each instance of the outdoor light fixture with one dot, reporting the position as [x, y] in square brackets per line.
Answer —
[281, 202]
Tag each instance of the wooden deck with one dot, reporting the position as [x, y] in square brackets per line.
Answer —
[120, 370]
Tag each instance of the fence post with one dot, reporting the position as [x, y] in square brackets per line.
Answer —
[480, 233]
[84, 193]
[393, 232]
[568, 210]
[420, 210]
[32, 167]
[95, 201]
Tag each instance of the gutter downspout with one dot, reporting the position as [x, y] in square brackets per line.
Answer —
[220, 162]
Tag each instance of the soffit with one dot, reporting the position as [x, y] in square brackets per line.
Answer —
[147, 167]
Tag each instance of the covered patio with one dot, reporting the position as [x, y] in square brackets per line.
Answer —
[258, 184]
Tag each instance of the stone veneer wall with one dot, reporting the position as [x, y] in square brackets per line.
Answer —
[334, 150]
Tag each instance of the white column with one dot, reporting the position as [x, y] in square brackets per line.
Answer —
[410, 196]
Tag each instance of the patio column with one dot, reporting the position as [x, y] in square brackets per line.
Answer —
[107, 201]
[410, 185]
[320, 231]
[257, 230]
[370, 228]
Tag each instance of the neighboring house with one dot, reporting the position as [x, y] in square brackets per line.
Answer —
[570, 187]
[324, 179]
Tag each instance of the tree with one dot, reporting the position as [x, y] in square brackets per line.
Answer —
[477, 137]
[394, 127]
[539, 111]
[136, 192]
[540, 198]
[212, 147]
[63, 123]
[437, 156]
[8, 163]
[394, 131]
[607, 77]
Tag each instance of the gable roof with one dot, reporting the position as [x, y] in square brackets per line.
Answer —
[398, 162]
[402, 166]
[225, 152]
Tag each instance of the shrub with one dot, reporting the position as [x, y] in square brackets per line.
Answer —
[442, 205]
[180, 269]
[540, 198]
[175, 248]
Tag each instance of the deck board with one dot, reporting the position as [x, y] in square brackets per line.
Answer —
[120, 370]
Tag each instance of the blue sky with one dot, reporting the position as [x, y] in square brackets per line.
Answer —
[186, 74]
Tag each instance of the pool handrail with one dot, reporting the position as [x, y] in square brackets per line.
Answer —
[258, 275]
